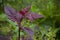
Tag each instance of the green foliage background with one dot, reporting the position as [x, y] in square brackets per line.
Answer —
[49, 25]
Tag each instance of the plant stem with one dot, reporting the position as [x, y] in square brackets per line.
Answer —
[19, 34]
[19, 31]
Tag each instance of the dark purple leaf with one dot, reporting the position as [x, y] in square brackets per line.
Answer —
[32, 16]
[12, 14]
[25, 10]
[4, 37]
[27, 38]
[23, 38]
[28, 31]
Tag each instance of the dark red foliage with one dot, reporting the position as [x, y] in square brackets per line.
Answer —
[28, 31]
[30, 15]
[25, 10]
[16, 16]
[12, 14]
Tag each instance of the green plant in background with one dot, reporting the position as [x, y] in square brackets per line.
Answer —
[49, 26]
